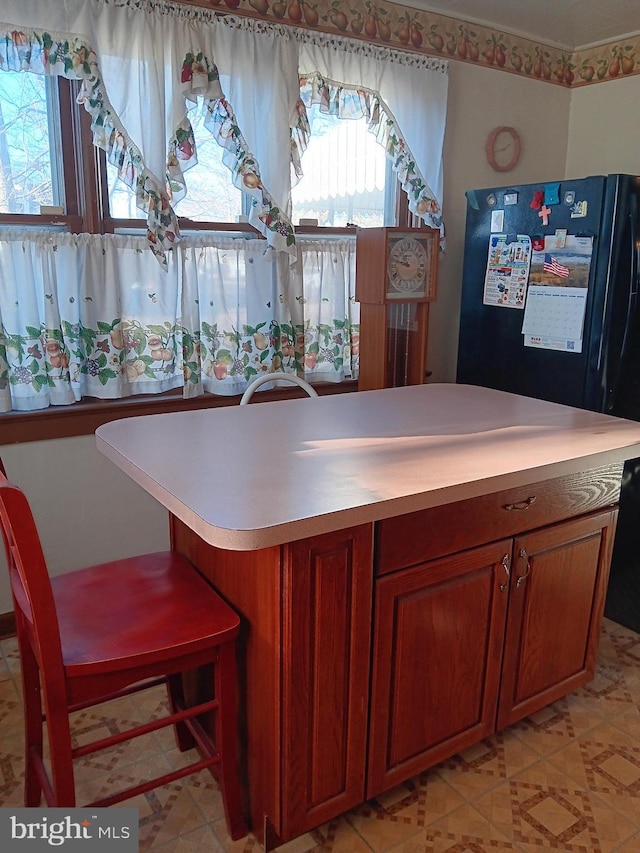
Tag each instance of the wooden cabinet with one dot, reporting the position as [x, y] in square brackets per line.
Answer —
[558, 587]
[468, 643]
[437, 652]
[484, 611]
[325, 675]
[304, 659]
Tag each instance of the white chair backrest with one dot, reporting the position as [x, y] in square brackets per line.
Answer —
[276, 377]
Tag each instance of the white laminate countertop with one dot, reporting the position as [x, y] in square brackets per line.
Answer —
[247, 477]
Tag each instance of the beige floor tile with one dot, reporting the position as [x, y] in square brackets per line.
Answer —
[482, 766]
[607, 762]
[629, 723]
[392, 819]
[567, 818]
[166, 813]
[384, 835]
[442, 841]
[204, 791]
[92, 785]
[427, 798]
[338, 836]
[249, 844]
[551, 728]
[201, 840]
[631, 845]
[464, 829]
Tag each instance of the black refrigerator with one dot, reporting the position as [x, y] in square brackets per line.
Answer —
[550, 309]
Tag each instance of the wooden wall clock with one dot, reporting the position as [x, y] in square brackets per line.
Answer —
[396, 278]
[503, 148]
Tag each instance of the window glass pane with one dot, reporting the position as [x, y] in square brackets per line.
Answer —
[344, 174]
[26, 155]
[211, 195]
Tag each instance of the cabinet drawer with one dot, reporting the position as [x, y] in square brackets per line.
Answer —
[424, 535]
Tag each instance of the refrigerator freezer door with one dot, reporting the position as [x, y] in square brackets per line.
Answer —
[491, 350]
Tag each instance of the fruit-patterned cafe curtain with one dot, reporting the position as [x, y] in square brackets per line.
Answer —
[220, 315]
[140, 62]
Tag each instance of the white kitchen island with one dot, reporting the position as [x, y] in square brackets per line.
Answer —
[415, 567]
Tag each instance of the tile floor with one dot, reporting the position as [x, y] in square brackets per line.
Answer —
[567, 779]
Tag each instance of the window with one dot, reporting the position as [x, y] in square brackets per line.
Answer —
[347, 177]
[29, 160]
[45, 143]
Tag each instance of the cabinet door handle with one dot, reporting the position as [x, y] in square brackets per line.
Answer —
[527, 568]
[521, 504]
[505, 565]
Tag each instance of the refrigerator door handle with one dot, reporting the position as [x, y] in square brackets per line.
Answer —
[633, 297]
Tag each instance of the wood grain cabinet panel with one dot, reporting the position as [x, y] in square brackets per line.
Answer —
[306, 611]
[437, 652]
[558, 587]
[327, 635]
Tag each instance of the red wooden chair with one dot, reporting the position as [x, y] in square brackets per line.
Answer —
[111, 630]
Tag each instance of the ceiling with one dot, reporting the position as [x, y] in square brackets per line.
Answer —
[568, 24]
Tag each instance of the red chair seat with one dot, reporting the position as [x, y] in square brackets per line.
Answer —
[110, 630]
[131, 613]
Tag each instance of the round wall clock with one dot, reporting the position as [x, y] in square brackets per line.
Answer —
[503, 148]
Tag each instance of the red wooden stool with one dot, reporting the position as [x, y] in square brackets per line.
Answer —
[111, 630]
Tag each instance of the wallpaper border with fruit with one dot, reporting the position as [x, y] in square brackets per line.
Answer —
[429, 33]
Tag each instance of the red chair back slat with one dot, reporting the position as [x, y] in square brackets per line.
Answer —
[30, 584]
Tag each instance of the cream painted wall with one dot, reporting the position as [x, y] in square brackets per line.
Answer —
[604, 129]
[479, 100]
[87, 511]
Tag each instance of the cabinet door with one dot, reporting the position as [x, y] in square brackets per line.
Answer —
[556, 602]
[325, 676]
[437, 650]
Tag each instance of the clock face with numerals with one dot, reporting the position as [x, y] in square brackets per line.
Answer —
[406, 267]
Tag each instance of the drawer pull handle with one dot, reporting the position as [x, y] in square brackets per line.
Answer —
[521, 504]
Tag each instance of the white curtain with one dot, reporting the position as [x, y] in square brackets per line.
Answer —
[259, 76]
[404, 97]
[95, 315]
[138, 61]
